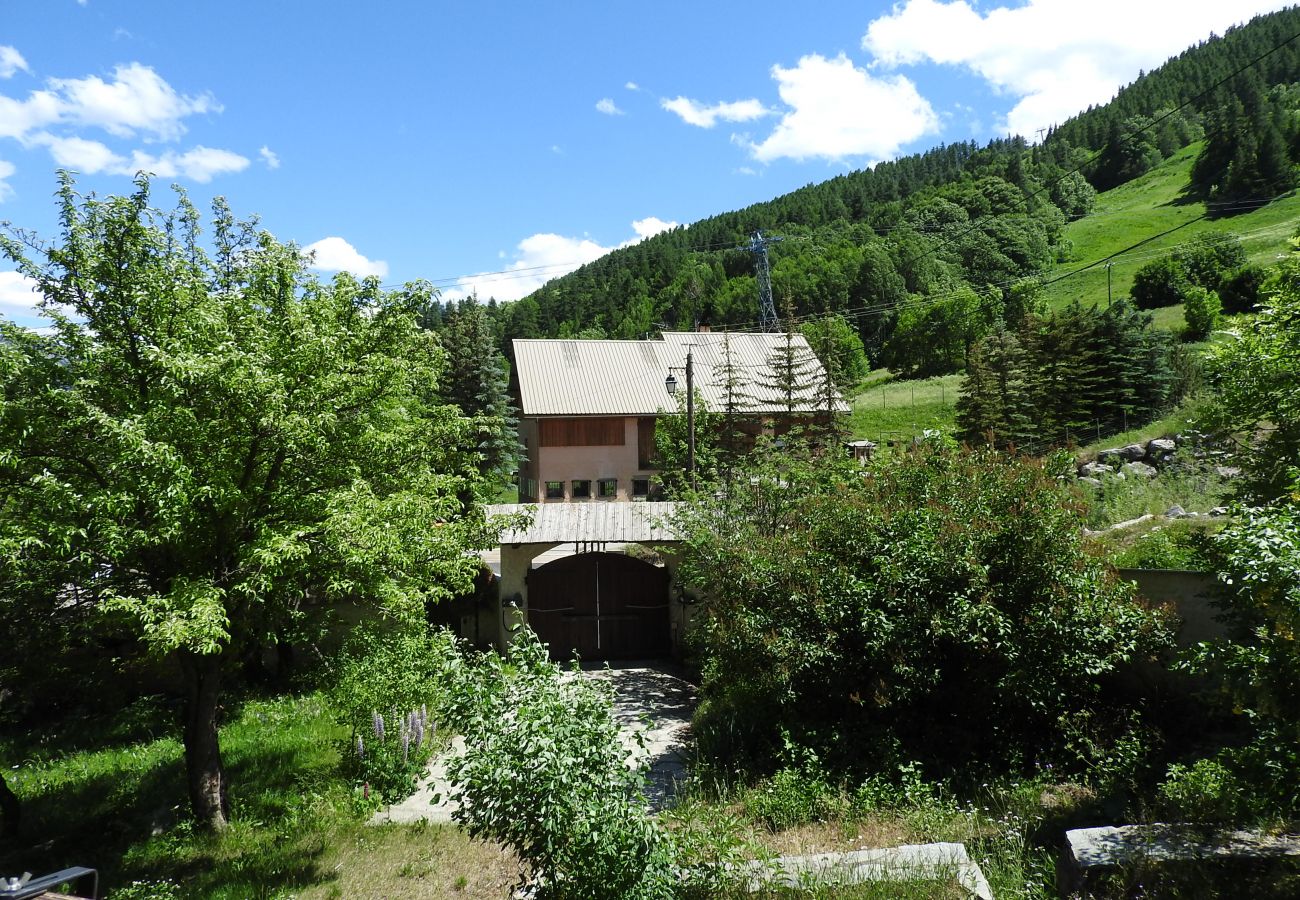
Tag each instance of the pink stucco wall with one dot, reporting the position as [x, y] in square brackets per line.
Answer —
[568, 464]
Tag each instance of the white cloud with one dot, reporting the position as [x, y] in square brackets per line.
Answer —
[649, 227]
[632, 86]
[269, 157]
[89, 157]
[17, 293]
[701, 115]
[1055, 56]
[6, 169]
[199, 163]
[541, 257]
[11, 62]
[134, 103]
[333, 254]
[137, 99]
[608, 107]
[838, 110]
[82, 155]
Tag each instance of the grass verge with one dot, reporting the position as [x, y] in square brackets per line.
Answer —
[109, 793]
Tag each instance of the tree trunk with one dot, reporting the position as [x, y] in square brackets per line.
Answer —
[10, 810]
[203, 770]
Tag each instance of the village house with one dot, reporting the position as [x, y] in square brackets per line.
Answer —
[588, 408]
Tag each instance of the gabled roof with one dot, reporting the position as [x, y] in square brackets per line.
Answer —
[563, 377]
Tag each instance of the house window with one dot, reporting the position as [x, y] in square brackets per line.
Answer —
[608, 488]
[555, 490]
[641, 487]
[581, 490]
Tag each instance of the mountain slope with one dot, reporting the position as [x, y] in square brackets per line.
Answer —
[1157, 204]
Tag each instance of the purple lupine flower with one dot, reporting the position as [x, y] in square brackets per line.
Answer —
[361, 748]
[379, 727]
[406, 745]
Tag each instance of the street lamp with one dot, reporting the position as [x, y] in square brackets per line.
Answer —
[671, 384]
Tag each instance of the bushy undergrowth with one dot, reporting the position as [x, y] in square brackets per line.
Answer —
[1180, 544]
[940, 608]
[384, 685]
[1257, 558]
[545, 773]
[1195, 488]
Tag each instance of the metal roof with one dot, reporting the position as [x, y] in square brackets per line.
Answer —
[562, 377]
[614, 522]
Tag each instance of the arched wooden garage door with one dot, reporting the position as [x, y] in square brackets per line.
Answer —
[603, 605]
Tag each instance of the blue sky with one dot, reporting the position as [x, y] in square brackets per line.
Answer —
[452, 141]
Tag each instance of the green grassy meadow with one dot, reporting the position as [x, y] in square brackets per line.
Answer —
[1151, 205]
[885, 408]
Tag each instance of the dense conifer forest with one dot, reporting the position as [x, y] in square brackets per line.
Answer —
[940, 247]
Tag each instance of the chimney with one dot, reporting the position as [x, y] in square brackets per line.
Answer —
[702, 326]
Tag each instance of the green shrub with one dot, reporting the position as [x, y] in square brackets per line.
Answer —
[1161, 282]
[1201, 310]
[1240, 290]
[1208, 257]
[792, 796]
[545, 774]
[1257, 558]
[1206, 791]
[940, 607]
[1176, 546]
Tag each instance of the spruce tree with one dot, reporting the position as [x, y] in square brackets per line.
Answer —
[476, 382]
[736, 401]
[789, 379]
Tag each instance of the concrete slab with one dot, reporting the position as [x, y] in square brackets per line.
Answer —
[649, 698]
[1092, 852]
[654, 700]
[910, 861]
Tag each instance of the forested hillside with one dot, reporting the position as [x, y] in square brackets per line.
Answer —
[944, 245]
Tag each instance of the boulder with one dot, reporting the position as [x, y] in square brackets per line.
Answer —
[1227, 471]
[1132, 452]
[1139, 470]
[1218, 511]
[1094, 470]
[1176, 512]
[1111, 455]
[1160, 449]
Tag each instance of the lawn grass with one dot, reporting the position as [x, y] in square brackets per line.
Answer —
[885, 408]
[1150, 205]
[109, 793]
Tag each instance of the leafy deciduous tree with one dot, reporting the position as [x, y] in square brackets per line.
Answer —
[210, 448]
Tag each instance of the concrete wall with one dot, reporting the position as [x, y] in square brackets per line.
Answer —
[1189, 594]
[568, 464]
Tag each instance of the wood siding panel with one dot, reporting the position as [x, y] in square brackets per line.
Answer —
[602, 431]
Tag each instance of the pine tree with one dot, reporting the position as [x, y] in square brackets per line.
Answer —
[789, 379]
[476, 382]
[736, 401]
[995, 398]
